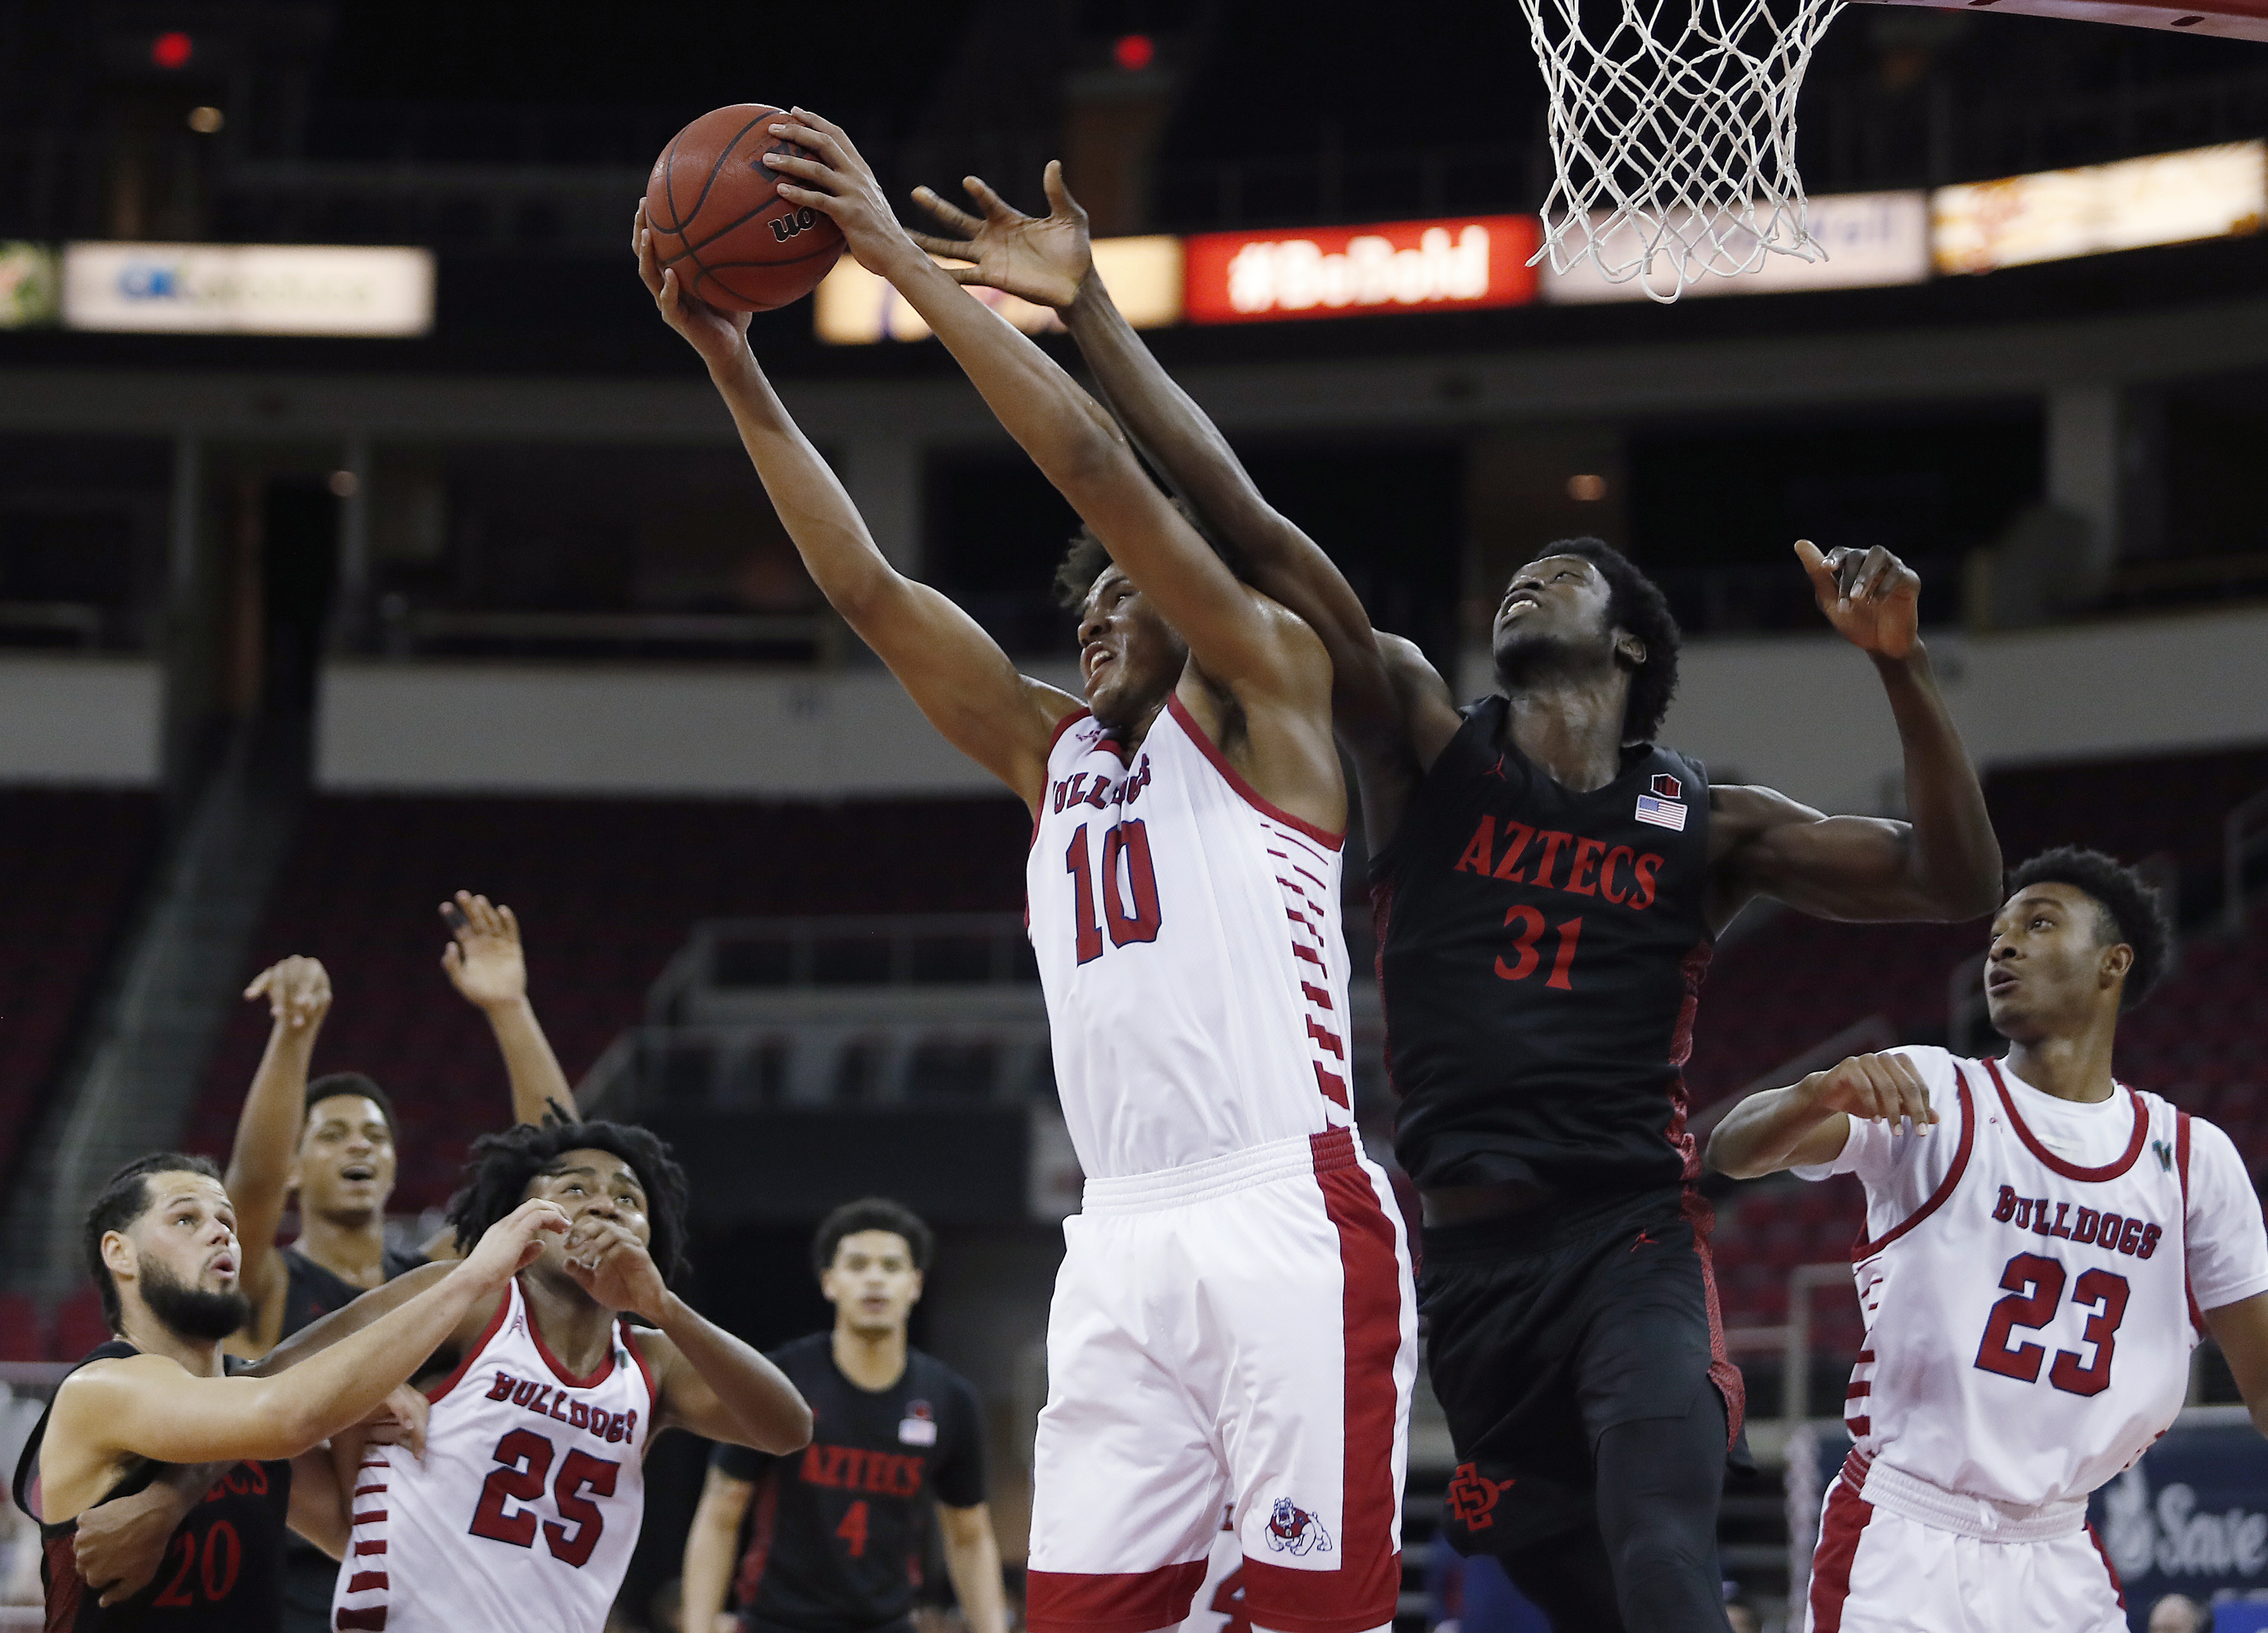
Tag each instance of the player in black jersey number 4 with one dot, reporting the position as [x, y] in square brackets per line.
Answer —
[1549, 883]
[836, 1538]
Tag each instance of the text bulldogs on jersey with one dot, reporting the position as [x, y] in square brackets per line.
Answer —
[2136, 1238]
[1085, 788]
[547, 1399]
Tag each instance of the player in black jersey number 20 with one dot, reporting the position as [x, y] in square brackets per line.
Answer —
[1549, 885]
[836, 1532]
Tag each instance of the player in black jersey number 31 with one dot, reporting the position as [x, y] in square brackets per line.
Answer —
[1549, 886]
[837, 1531]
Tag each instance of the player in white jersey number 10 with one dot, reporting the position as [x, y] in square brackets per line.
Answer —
[2044, 1245]
[1233, 1326]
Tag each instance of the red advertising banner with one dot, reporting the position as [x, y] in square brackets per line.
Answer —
[1457, 264]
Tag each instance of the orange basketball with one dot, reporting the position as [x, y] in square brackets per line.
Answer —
[717, 216]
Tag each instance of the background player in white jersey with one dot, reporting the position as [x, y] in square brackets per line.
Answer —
[521, 1515]
[1233, 1324]
[2034, 1274]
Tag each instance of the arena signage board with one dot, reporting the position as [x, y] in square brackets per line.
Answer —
[247, 289]
[2169, 198]
[1871, 241]
[1457, 264]
[853, 307]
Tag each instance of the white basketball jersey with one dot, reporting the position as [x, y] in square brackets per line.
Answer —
[1187, 935]
[2028, 1318]
[523, 1515]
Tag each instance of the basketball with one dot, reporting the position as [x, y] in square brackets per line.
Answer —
[717, 215]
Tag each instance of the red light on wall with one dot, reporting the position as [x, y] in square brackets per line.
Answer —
[172, 49]
[1134, 52]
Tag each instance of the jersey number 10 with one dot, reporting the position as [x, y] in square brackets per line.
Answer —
[1128, 920]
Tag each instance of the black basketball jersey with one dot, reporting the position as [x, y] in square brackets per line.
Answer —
[1540, 954]
[837, 1530]
[312, 1292]
[223, 1566]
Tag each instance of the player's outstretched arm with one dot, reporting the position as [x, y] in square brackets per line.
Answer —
[146, 1405]
[712, 1547]
[705, 1379]
[1239, 639]
[487, 963]
[258, 1179]
[1944, 862]
[1808, 1123]
[1049, 259]
[954, 672]
[972, 1559]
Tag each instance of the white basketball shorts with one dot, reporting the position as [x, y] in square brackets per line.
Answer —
[1877, 1571]
[1240, 1332]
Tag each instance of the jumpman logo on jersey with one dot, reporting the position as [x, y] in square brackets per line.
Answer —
[1645, 1240]
[1497, 770]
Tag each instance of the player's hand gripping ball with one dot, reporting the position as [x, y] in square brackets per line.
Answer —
[714, 208]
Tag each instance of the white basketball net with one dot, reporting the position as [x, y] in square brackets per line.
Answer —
[1673, 135]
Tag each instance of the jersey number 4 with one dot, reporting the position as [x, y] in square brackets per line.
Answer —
[525, 1458]
[1129, 888]
[2035, 1288]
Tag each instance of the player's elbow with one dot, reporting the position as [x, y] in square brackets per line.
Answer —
[1732, 1157]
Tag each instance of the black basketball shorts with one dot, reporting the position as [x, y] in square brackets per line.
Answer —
[1548, 1327]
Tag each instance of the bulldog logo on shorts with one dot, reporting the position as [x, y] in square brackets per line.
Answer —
[1294, 1530]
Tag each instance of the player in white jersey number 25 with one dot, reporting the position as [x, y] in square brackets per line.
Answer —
[2044, 1245]
[521, 1514]
[1233, 1325]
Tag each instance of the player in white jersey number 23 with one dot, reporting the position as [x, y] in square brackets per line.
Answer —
[2044, 1245]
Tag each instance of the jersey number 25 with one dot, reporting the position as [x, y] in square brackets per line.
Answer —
[525, 1458]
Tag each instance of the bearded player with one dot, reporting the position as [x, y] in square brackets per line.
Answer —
[161, 1244]
[2034, 1274]
[330, 1144]
[1231, 1326]
[1549, 883]
[521, 1514]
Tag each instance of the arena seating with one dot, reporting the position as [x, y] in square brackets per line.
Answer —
[366, 873]
[70, 871]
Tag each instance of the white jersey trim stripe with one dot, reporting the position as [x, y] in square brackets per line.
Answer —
[1249, 794]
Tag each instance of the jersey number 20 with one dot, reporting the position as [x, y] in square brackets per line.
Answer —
[2035, 1288]
[1128, 920]
[525, 1458]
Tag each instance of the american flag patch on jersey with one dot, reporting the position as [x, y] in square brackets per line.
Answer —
[1661, 813]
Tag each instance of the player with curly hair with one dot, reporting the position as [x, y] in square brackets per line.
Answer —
[1548, 882]
[2034, 1274]
[523, 1511]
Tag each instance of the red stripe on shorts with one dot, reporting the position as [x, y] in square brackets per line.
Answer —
[2117, 1587]
[1125, 1601]
[1361, 1591]
[1723, 1371]
[1847, 1514]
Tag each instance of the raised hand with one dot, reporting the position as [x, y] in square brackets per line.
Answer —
[298, 990]
[1882, 1087]
[483, 959]
[840, 183]
[513, 1243]
[1872, 598]
[614, 1267]
[1044, 259]
[718, 337]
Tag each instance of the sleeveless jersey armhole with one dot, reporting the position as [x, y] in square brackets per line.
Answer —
[1864, 1249]
[2181, 1165]
[1386, 861]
